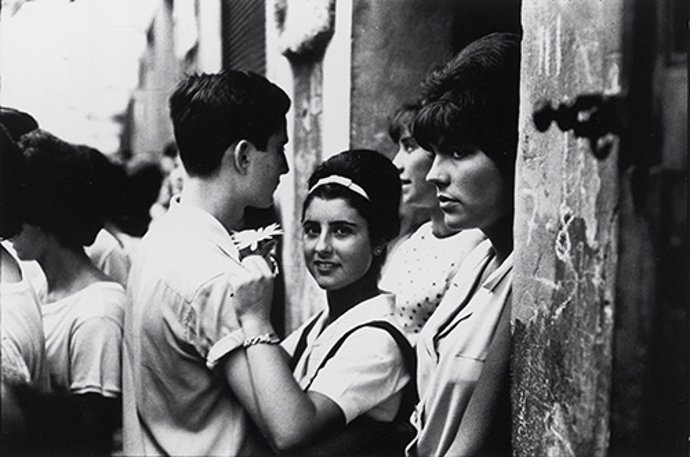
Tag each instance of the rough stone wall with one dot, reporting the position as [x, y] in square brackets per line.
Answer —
[566, 235]
[394, 43]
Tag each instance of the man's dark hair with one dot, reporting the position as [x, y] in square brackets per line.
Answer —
[210, 112]
[474, 99]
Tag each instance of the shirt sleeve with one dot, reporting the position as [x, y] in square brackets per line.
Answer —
[96, 356]
[365, 371]
[212, 326]
[116, 265]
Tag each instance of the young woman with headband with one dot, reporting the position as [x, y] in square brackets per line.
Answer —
[336, 384]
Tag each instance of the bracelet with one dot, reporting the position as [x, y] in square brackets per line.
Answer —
[266, 338]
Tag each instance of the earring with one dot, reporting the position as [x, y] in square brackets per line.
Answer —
[378, 250]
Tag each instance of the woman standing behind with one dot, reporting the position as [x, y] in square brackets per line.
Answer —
[83, 314]
[344, 370]
[420, 267]
[469, 121]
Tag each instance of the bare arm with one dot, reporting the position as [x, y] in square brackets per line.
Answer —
[287, 415]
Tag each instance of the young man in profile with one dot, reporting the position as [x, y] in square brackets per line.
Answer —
[230, 129]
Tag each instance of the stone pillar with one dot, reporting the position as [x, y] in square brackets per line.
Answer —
[302, 31]
[566, 236]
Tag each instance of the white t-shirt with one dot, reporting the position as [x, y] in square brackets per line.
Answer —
[22, 330]
[84, 340]
[419, 273]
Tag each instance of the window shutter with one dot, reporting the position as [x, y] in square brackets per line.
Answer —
[244, 35]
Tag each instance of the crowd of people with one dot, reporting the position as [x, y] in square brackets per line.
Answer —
[137, 303]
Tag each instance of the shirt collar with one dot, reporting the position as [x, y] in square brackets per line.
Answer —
[497, 276]
[372, 309]
[200, 220]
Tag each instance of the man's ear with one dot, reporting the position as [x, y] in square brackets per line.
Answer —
[242, 155]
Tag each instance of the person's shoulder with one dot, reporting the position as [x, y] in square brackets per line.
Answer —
[104, 299]
[179, 257]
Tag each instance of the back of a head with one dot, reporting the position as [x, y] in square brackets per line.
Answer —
[11, 186]
[17, 122]
[379, 179]
[145, 177]
[474, 99]
[110, 182]
[62, 191]
[210, 112]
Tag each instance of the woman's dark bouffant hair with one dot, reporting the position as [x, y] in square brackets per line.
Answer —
[474, 99]
[11, 186]
[63, 189]
[379, 178]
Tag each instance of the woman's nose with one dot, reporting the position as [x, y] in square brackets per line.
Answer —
[398, 159]
[323, 244]
[435, 174]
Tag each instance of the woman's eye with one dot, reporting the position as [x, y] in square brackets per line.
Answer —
[409, 145]
[310, 231]
[342, 231]
[462, 152]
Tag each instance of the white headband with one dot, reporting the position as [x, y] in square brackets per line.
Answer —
[342, 181]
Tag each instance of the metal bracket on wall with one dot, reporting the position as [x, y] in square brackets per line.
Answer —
[592, 116]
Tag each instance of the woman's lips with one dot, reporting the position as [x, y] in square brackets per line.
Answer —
[325, 266]
[446, 202]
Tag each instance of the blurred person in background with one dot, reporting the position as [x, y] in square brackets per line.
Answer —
[20, 316]
[112, 249]
[18, 123]
[173, 181]
[24, 362]
[420, 267]
[414, 210]
[145, 177]
[83, 310]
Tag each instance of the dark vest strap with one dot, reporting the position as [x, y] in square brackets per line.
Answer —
[302, 342]
[410, 395]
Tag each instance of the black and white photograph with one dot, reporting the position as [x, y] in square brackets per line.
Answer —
[344, 228]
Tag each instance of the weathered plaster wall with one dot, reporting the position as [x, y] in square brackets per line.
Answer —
[393, 45]
[159, 74]
[566, 235]
[299, 33]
